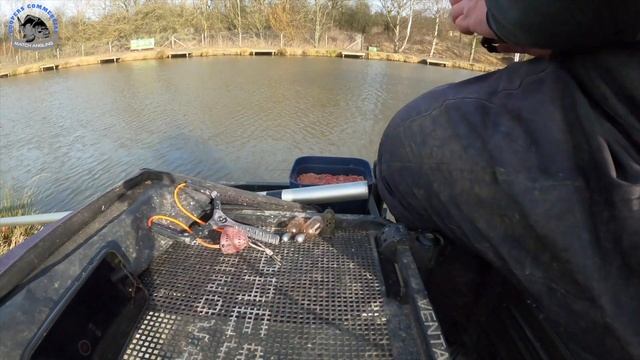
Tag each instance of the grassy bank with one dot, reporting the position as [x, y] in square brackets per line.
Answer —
[163, 53]
[13, 203]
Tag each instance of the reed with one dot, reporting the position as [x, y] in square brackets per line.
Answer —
[15, 203]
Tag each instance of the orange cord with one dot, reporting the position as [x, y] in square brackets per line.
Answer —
[185, 211]
[182, 225]
[170, 219]
[206, 244]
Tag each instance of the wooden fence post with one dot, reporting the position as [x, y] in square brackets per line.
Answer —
[109, 46]
[58, 53]
[82, 49]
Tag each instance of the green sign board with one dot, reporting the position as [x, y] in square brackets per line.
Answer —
[142, 44]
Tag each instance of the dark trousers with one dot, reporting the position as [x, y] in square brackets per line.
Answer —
[527, 171]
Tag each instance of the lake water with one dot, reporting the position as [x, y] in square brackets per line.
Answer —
[73, 134]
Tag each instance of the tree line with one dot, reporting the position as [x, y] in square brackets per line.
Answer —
[391, 23]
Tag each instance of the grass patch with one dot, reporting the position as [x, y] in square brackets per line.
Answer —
[13, 203]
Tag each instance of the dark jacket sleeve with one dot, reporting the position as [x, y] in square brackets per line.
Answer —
[565, 25]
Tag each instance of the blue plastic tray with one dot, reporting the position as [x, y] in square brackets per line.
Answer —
[334, 166]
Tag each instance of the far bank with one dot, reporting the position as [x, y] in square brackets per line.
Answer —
[166, 53]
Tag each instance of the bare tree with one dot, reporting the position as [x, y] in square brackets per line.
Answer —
[128, 5]
[437, 9]
[232, 11]
[290, 18]
[397, 13]
[237, 12]
[103, 7]
[321, 18]
[257, 15]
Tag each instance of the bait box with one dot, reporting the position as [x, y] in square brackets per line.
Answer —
[334, 165]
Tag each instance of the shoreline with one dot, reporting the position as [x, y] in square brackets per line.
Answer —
[164, 53]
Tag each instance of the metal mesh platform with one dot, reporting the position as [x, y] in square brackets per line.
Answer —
[325, 301]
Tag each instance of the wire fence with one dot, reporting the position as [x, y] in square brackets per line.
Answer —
[231, 39]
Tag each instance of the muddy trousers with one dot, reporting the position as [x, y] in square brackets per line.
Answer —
[514, 169]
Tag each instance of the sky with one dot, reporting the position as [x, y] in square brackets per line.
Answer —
[67, 7]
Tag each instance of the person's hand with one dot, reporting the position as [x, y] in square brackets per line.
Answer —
[470, 16]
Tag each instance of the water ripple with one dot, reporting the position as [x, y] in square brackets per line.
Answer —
[73, 134]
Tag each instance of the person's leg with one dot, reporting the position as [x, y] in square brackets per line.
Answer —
[492, 164]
